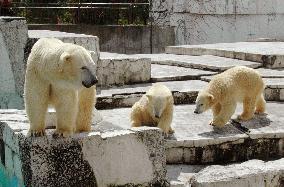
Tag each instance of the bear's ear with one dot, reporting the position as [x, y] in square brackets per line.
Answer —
[65, 57]
[210, 98]
[148, 96]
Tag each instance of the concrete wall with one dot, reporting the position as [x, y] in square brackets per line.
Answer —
[121, 39]
[13, 39]
[215, 21]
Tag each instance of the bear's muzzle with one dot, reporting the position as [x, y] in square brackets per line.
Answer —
[88, 79]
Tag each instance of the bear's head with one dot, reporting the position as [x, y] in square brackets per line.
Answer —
[77, 68]
[157, 104]
[204, 101]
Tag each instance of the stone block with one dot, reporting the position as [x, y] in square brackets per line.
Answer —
[119, 69]
[107, 156]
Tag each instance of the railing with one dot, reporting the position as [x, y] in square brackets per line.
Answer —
[118, 12]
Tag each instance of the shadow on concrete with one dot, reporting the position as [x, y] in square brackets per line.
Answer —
[258, 121]
[227, 130]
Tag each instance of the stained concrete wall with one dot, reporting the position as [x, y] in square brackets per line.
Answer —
[13, 39]
[122, 39]
[215, 21]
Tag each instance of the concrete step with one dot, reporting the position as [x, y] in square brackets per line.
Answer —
[125, 96]
[161, 73]
[205, 62]
[270, 54]
[252, 173]
[196, 142]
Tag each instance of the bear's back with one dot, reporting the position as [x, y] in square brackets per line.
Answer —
[159, 89]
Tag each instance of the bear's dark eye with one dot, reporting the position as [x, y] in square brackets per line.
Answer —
[84, 67]
[201, 104]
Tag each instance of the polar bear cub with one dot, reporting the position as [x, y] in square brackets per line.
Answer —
[238, 84]
[62, 75]
[155, 108]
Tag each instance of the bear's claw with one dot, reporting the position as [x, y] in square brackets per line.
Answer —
[64, 134]
[36, 133]
[211, 123]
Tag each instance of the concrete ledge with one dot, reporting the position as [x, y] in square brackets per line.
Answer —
[204, 62]
[270, 54]
[107, 156]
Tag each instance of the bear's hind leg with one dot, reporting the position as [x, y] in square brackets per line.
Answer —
[260, 105]
[136, 116]
[86, 105]
[248, 108]
[225, 114]
[66, 106]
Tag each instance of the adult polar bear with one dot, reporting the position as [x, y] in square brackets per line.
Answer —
[62, 75]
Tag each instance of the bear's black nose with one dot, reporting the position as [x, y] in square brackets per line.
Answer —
[195, 111]
[94, 80]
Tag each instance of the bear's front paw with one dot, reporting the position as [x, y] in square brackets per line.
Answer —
[171, 131]
[64, 133]
[217, 123]
[36, 133]
[245, 117]
[258, 112]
